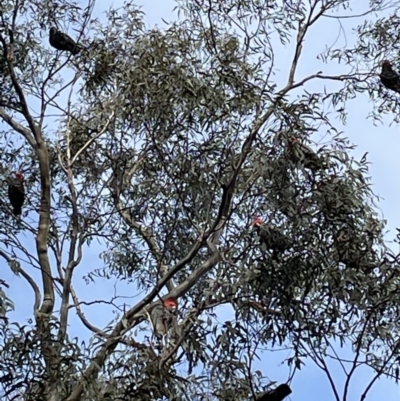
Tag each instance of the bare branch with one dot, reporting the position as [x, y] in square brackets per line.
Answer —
[9, 56]
[18, 127]
[82, 316]
[26, 276]
[91, 140]
[72, 247]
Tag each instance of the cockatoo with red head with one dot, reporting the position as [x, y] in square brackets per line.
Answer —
[162, 316]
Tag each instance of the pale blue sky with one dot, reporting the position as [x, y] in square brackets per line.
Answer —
[381, 142]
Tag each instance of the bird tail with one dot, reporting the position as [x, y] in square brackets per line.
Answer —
[76, 50]
[17, 210]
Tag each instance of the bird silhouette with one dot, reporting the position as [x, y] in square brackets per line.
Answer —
[61, 41]
[16, 193]
[390, 78]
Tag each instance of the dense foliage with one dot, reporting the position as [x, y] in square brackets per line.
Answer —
[164, 146]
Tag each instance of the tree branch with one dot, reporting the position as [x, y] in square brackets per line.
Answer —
[42, 314]
[91, 140]
[145, 232]
[9, 55]
[18, 127]
[81, 315]
[44, 219]
[130, 319]
[72, 263]
[44, 222]
[133, 317]
[26, 276]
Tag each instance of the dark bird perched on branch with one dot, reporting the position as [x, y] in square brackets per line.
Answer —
[278, 394]
[16, 193]
[272, 237]
[389, 77]
[61, 41]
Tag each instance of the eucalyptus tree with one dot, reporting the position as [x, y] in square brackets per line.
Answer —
[178, 152]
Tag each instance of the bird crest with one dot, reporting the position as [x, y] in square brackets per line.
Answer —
[257, 222]
[170, 303]
[19, 176]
